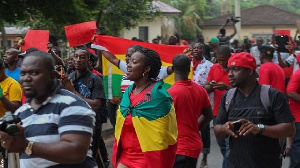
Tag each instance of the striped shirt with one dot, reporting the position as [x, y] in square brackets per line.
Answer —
[62, 113]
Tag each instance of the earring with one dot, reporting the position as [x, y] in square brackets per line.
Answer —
[145, 75]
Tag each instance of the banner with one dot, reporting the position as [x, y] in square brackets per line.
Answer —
[112, 75]
[81, 33]
[36, 38]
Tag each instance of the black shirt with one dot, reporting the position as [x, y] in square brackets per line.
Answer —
[255, 151]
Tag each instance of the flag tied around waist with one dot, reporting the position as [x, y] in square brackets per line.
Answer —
[112, 75]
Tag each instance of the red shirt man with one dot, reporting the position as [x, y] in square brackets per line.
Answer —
[269, 72]
[190, 101]
[217, 80]
[272, 74]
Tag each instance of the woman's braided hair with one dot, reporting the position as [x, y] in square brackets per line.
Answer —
[153, 60]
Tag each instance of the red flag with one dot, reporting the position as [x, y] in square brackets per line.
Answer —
[81, 33]
[36, 38]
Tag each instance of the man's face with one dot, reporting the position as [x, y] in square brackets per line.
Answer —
[81, 59]
[35, 78]
[130, 51]
[223, 60]
[237, 76]
[16, 40]
[10, 56]
[240, 48]
[197, 51]
[70, 61]
[259, 42]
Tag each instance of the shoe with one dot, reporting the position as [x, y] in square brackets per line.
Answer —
[203, 164]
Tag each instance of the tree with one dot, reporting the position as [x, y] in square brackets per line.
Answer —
[111, 15]
[118, 14]
[192, 12]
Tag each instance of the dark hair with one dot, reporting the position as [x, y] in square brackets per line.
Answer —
[201, 44]
[136, 47]
[53, 40]
[1, 63]
[181, 64]
[45, 57]
[224, 50]
[223, 31]
[153, 60]
[268, 51]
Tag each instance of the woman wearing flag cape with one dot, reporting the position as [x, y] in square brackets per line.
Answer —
[146, 129]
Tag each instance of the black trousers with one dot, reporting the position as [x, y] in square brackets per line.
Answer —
[182, 161]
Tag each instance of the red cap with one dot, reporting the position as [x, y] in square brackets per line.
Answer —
[298, 58]
[243, 59]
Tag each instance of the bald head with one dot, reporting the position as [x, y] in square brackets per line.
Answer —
[11, 56]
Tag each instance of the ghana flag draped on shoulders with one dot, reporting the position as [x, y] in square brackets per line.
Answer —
[112, 75]
[155, 125]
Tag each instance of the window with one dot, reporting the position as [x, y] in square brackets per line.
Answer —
[143, 33]
[8, 43]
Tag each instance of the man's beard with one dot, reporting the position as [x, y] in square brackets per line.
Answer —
[30, 95]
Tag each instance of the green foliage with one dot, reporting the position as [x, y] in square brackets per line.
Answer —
[119, 14]
[111, 16]
[192, 11]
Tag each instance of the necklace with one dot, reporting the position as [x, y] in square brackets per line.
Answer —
[148, 85]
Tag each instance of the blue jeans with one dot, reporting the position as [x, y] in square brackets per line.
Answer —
[295, 150]
[224, 147]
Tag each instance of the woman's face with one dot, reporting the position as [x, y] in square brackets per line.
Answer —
[136, 66]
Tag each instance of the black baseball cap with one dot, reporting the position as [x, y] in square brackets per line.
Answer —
[29, 50]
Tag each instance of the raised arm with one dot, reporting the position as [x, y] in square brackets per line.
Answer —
[234, 30]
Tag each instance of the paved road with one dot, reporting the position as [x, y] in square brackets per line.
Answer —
[214, 158]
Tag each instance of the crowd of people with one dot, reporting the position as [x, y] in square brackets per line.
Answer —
[249, 90]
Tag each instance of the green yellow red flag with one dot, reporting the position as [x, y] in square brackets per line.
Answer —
[112, 75]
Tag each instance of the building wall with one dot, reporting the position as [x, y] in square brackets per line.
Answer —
[250, 32]
[163, 26]
[154, 30]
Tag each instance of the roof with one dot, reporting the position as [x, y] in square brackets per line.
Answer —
[15, 30]
[264, 15]
[166, 9]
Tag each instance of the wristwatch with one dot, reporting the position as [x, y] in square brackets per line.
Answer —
[28, 149]
[261, 128]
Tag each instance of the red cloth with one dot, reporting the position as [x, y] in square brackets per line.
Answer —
[294, 87]
[188, 95]
[131, 154]
[217, 74]
[196, 63]
[288, 71]
[96, 72]
[81, 33]
[272, 74]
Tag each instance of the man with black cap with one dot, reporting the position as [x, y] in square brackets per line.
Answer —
[269, 72]
[254, 130]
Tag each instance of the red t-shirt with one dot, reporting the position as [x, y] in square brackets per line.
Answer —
[189, 100]
[294, 87]
[217, 74]
[272, 74]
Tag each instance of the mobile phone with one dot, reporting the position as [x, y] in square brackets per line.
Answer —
[236, 125]
[213, 82]
[282, 41]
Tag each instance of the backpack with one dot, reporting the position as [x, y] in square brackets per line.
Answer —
[265, 100]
